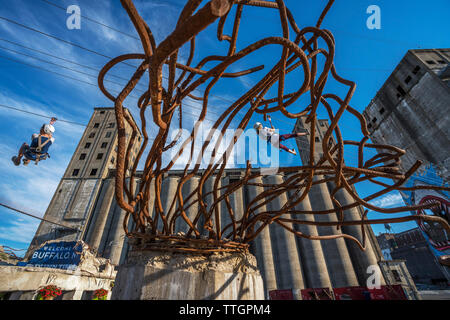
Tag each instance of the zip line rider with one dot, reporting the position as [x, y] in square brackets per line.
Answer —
[270, 136]
[40, 143]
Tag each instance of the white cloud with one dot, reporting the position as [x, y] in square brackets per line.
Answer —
[388, 200]
[19, 231]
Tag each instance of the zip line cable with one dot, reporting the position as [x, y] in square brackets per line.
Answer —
[92, 20]
[49, 62]
[36, 217]
[56, 38]
[98, 53]
[92, 84]
[358, 35]
[78, 46]
[62, 75]
[95, 52]
[61, 66]
[103, 55]
[41, 115]
[56, 57]
[59, 74]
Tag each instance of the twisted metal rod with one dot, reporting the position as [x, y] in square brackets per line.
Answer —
[299, 53]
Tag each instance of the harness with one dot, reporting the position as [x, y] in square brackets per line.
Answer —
[37, 150]
[268, 138]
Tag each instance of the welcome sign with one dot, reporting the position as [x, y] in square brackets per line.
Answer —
[60, 255]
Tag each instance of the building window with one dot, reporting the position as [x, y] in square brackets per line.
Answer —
[82, 156]
[381, 110]
[369, 126]
[374, 120]
[102, 112]
[75, 172]
[116, 148]
[93, 172]
[104, 144]
[99, 156]
[396, 275]
[87, 295]
[108, 134]
[431, 62]
[92, 135]
[96, 125]
[111, 125]
[139, 138]
[442, 62]
[87, 145]
[317, 139]
[408, 79]
[112, 160]
[416, 70]
[400, 91]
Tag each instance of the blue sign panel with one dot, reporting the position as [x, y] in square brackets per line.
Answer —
[60, 255]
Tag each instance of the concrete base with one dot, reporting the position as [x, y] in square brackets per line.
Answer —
[153, 275]
[24, 282]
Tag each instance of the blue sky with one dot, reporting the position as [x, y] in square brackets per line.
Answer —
[362, 55]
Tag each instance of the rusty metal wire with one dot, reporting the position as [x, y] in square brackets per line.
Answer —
[300, 51]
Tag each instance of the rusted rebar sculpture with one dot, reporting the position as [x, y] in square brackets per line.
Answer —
[300, 50]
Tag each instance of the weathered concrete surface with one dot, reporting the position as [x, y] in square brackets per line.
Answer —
[412, 114]
[151, 275]
[31, 279]
[92, 273]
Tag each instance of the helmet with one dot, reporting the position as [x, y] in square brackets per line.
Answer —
[257, 125]
[49, 129]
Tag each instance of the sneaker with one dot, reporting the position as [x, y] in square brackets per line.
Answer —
[15, 160]
[26, 162]
[294, 152]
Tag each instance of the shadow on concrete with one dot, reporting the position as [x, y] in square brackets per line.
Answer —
[152, 279]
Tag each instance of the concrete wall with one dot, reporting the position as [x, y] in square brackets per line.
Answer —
[396, 273]
[409, 111]
[346, 264]
[421, 263]
[285, 261]
[25, 282]
[149, 275]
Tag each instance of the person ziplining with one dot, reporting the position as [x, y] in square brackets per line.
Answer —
[38, 149]
[275, 139]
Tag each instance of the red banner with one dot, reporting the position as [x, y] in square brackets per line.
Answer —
[281, 295]
[394, 292]
[317, 294]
